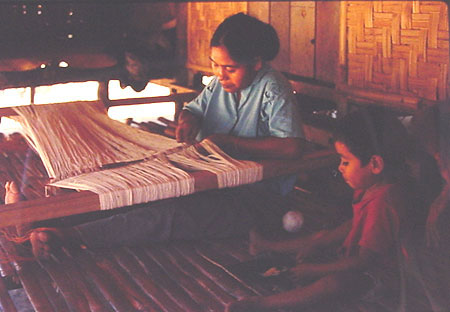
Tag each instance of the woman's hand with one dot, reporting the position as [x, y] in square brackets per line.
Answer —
[188, 126]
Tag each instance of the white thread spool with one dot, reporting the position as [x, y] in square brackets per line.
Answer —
[293, 221]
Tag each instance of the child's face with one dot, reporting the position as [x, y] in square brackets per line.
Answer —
[356, 176]
[232, 75]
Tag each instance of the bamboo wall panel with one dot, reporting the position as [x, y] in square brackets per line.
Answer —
[203, 19]
[398, 47]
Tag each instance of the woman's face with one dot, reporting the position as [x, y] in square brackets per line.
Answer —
[233, 76]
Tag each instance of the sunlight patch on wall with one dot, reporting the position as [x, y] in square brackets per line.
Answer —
[15, 97]
[67, 92]
[152, 89]
[88, 91]
[8, 126]
[141, 112]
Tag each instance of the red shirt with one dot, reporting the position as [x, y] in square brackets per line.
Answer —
[375, 223]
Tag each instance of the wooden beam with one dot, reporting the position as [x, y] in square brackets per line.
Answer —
[48, 208]
[175, 97]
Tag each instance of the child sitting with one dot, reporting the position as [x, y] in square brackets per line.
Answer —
[372, 151]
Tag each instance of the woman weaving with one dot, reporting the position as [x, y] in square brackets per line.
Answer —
[248, 110]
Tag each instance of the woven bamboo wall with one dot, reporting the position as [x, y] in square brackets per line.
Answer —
[397, 50]
[398, 47]
[203, 19]
[294, 22]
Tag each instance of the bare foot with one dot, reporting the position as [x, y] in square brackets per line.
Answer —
[12, 194]
[45, 242]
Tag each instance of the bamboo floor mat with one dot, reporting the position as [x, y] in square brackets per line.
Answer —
[178, 276]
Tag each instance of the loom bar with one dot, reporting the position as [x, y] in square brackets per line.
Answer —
[85, 201]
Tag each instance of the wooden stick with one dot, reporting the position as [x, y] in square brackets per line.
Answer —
[125, 283]
[185, 263]
[190, 279]
[48, 208]
[176, 97]
[171, 287]
[70, 288]
[215, 273]
[48, 286]
[34, 288]
[112, 290]
[5, 300]
[150, 287]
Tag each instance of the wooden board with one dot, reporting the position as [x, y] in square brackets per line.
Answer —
[260, 10]
[327, 42]
[302, 38]
[279, 11]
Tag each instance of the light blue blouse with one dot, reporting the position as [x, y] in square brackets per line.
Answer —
[267, 108]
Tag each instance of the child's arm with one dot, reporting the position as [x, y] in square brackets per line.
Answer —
[303, 245]
[324, 239]
[323, 288]
[360, 262]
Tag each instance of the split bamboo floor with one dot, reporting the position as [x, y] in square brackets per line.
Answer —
[177, 276]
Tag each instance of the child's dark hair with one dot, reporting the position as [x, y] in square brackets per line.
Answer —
[246, 39]
[373, 131]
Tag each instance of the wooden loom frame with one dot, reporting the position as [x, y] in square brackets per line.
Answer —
[86, 201]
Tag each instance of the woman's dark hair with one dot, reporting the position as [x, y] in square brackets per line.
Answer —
[246, 39]
[367, 132]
